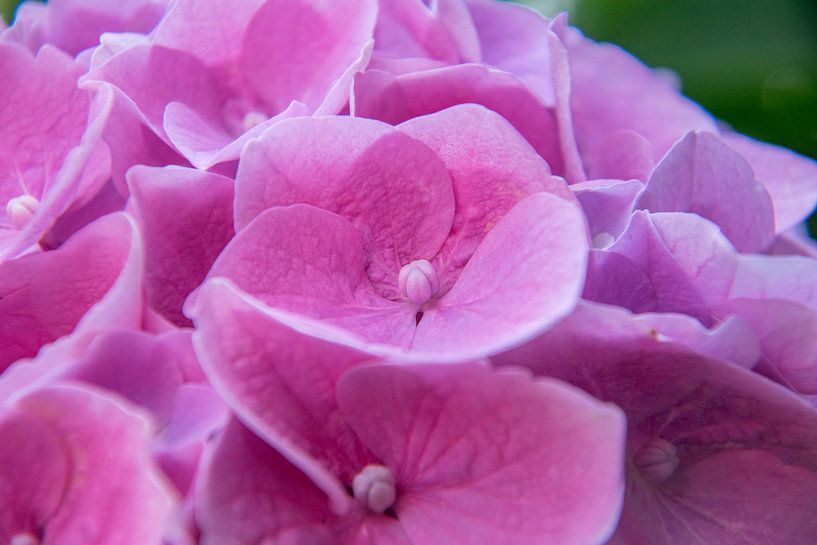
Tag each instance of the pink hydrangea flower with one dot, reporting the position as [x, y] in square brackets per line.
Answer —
[205, 83]
[405, 454]
[389, 272]
[446, 236]
[54, 160]
[75, 468]
[715, 453]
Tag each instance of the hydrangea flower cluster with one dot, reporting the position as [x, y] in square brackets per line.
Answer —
[389, 272]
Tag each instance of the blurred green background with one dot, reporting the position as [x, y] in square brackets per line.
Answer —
[752, 63]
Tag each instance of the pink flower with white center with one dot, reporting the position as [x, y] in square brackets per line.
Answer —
[446, 235]
[348, 452]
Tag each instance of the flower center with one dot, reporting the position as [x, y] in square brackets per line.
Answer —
[418, 281]
[20, 209]
[253, 119]
[24, 539]
[657, 460]
[374, 488]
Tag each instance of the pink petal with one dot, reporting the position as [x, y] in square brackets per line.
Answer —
[90, 284]
[296, 49]
[722, 421]
[514, 38]
[186, 219]
[553, 476]
[281, 381]
[210, 29]
[318, 270]
[612, 91]
[408, 28]
[491, 166]
[59, 164]
[113, 496]
[790, 179]
[392, 188]
[702, 175]
[34, 470]
[395, 99]
[527, 273]
[251, 494]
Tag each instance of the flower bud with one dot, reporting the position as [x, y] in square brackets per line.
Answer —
[418, 281]
[374, 488]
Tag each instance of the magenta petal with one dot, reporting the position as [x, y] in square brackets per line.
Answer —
[114, 495]
[494, 456]
[50, 166]
[296, 49]
[134, 365]
[212, 29]
[318, 270]
[394, 189]
[90, 284]
[186, 219]
[395, 99]
[491, 166]
[790, 179]
[702, 175]
[408, 29]
[527, 273]
[251, 494]
[34, 470]
[152, 77]
[281, 381]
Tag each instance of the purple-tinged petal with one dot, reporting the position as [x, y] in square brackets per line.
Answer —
[280, 380]
[790, 179]
[788, 278]
[527, 273]
[702, 175]
[787, 332]
[318, 269]
[682, 261]
[623, 154]
[591, 326]
[494, 456]
[607, 205]
[114, 495]
[795, 241]
[514, 38]
[612, 91]
[134, 365]
[186, 218]
[74, 25]
[696, 427]
[297, 49]
[249, 493]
